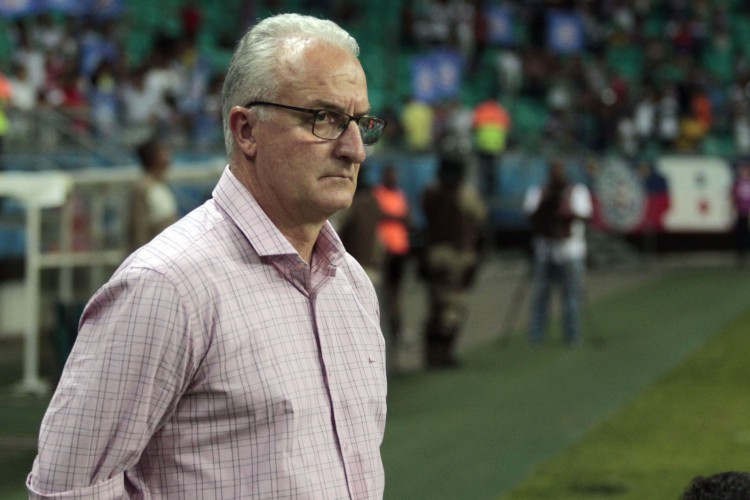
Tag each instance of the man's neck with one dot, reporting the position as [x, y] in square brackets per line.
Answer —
[303, 240]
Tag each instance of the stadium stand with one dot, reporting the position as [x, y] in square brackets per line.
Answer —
[577, 96]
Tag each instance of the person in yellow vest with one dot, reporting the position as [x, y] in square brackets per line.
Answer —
[491, 126]
[393, 231]
[417, 119]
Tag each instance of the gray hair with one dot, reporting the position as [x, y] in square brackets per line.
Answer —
[253, 72]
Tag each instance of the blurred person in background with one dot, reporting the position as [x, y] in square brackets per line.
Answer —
[509, 72]
[103, 94]
[23, 96]
[32, 58]
[239, 353]
[418, 122]
[558, 212]
[154, 206]
[22, 102]
[357, 227]
[456, 125]
[491, 125]
[668, 117]
[741, 201]
[644, 117]
[393, 231]
[142, 108]
[454, 214]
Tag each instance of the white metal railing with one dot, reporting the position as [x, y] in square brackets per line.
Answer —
[43, 193]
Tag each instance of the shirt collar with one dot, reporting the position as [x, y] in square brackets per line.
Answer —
[243, 209]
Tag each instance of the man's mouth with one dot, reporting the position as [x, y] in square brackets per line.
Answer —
[339, 176]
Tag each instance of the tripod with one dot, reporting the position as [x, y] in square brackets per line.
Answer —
[516, 306]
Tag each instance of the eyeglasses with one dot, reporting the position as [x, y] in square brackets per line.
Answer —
[330, 125]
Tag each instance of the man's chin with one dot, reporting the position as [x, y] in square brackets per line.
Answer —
[330, 202]
[337, 207]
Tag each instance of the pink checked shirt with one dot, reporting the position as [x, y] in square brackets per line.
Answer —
[216, 364]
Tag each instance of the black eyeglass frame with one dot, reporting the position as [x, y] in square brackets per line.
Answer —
[316, 111]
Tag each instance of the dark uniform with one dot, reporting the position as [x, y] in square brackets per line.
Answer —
[454, 212]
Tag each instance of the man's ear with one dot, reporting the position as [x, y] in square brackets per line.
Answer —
[242, 124]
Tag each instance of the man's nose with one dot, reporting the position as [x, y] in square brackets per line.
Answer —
[350, 144]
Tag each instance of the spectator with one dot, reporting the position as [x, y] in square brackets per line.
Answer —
[741, 201]
[668, 125]
[741, 130]
[154, 206]
[104, 96]
[491, 125]
[143, 108]
[23, 95]
[23, 100]
[644, 118]
[463, 13]
[70, 97]
[97, 45]
[434, 25]
[33, 59]
[696, 124]
[457, 124]
[191, 15]
[558, 212]
[418, 120]
[190, 97]
[207, 125]
[509, 71]
[626, 136]
[49, 34]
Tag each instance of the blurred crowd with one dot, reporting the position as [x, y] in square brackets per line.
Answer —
[652, 76]
[81, 68]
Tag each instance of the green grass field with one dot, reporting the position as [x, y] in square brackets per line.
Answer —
[693, 421]
[658, 398]
[478, 432]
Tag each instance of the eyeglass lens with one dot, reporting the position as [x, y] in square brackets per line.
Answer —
[371, 129]
[331, 124]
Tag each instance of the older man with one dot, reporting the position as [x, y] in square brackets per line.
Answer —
[239, 354]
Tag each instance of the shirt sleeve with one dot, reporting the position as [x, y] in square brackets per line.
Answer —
[132, 360]
[580, 202]
[531, 199]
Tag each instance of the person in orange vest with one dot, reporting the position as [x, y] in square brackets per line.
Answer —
[491, 125]
[393, 231]
[5, 93]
